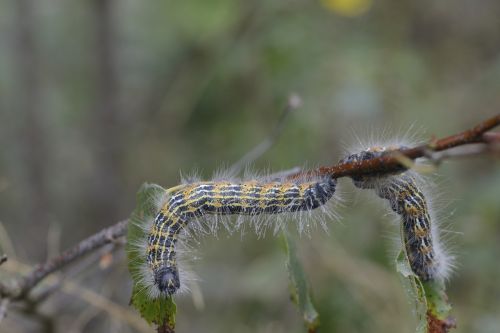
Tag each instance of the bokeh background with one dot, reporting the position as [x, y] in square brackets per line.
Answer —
[97, 97]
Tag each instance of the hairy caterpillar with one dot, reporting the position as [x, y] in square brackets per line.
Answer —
[196, 200]
[420, 234]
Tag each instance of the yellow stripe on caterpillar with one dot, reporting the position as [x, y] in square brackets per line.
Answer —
[196, 200]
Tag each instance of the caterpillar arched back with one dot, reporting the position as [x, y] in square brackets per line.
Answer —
[420, 234]
[197, 200]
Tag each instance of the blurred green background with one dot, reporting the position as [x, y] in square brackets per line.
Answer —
[97, 97]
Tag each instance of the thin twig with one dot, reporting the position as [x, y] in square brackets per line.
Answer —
[86, 246]
[46, 292]
[103, 237]
[79, 267]
[392, 162]
[3, 259]
[293, 103]
[71, 287]
[100, 302]
[464, 151]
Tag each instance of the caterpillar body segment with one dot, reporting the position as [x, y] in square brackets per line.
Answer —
[408, 201]
[420, 236]
[199, 199]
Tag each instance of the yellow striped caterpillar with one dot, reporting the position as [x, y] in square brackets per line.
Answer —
[420, 234]
[198, 200]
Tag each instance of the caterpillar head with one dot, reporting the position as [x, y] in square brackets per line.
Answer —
[167, 280]
[366, 181]
[371, 152]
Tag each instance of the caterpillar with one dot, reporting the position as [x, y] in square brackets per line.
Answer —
[420, 235]
[197, 200]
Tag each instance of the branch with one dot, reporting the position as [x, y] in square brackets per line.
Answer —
[393, 162]
[30, 280]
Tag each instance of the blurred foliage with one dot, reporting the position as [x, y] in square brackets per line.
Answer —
[300, 290]
[99, 96]
[348, 7]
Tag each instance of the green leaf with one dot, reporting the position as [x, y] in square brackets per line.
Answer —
[160, 311]
[431, 301]
[414, 290]
[300, 290]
